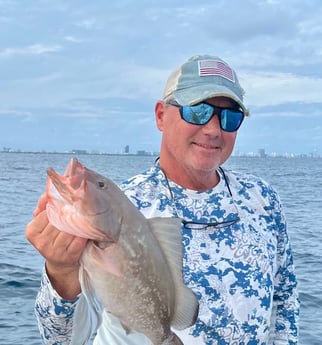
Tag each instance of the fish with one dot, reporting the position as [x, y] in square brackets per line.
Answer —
[132, 266]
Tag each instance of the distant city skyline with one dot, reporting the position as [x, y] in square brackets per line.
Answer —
[126, 151]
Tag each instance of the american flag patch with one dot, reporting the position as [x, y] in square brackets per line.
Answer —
[217, 68]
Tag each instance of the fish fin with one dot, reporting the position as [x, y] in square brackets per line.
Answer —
[186, 307]
[168, 233]
[99, 252]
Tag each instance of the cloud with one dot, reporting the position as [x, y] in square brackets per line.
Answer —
[87, 24]
[35, 49]
[274, 88]
[14, 112]
[72, 39]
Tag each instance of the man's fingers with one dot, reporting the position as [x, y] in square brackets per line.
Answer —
[41, 205]
[37, 225]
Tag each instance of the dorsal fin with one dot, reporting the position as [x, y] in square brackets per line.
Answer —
[168, 233]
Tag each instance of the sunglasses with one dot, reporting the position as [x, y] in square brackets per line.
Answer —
[201, 113]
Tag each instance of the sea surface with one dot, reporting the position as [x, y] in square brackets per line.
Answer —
[23, 179]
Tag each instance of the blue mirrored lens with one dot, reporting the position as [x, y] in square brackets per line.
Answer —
[200, 114]
[230, 120]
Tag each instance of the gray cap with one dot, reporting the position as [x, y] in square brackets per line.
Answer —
[203, 77]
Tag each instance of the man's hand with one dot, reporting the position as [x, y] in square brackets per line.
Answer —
[62, 251]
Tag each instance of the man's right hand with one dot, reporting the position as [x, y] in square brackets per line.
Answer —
[62, 252]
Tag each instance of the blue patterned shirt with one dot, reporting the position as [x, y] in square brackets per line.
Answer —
[242, 274]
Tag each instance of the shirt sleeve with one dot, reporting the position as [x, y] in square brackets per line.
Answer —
[285, 317]
[62, 321]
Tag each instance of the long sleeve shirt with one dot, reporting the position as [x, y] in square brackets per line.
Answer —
[242, 274]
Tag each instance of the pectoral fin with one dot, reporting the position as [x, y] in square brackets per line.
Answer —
[168, 233]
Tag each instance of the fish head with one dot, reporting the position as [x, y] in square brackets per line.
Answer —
[82, 202]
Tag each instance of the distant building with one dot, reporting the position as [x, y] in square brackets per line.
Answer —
[143, 153]
[262, 153]
[127, 149]
[79, 152]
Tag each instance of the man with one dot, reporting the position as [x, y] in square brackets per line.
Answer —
[237, 255]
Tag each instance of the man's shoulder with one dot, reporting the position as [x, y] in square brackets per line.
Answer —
[245, 177]
[147, 177]
[247, 181]
[144, 190]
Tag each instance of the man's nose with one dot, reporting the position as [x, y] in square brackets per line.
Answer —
[213, 126]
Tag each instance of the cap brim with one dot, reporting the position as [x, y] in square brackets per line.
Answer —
[194, 95]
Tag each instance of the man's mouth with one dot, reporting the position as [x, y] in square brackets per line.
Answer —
[207, 146]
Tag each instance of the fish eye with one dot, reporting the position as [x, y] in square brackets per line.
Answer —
[101, 184]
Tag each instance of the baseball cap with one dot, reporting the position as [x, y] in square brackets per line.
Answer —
[202, 77]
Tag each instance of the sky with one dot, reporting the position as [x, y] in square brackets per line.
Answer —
[86, 74]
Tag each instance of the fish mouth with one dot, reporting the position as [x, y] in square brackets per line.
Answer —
[68, 184]
[74, 167]
[72, 186]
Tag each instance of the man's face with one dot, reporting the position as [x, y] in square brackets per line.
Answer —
[187, 146]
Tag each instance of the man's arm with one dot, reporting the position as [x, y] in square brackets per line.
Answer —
[62, 321]
[286, 303]
[58, 298]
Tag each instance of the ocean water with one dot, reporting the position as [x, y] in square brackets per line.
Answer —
[23, 178]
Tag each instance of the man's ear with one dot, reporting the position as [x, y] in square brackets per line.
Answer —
[159, 114]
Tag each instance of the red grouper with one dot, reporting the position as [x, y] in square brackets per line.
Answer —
[131, 264]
